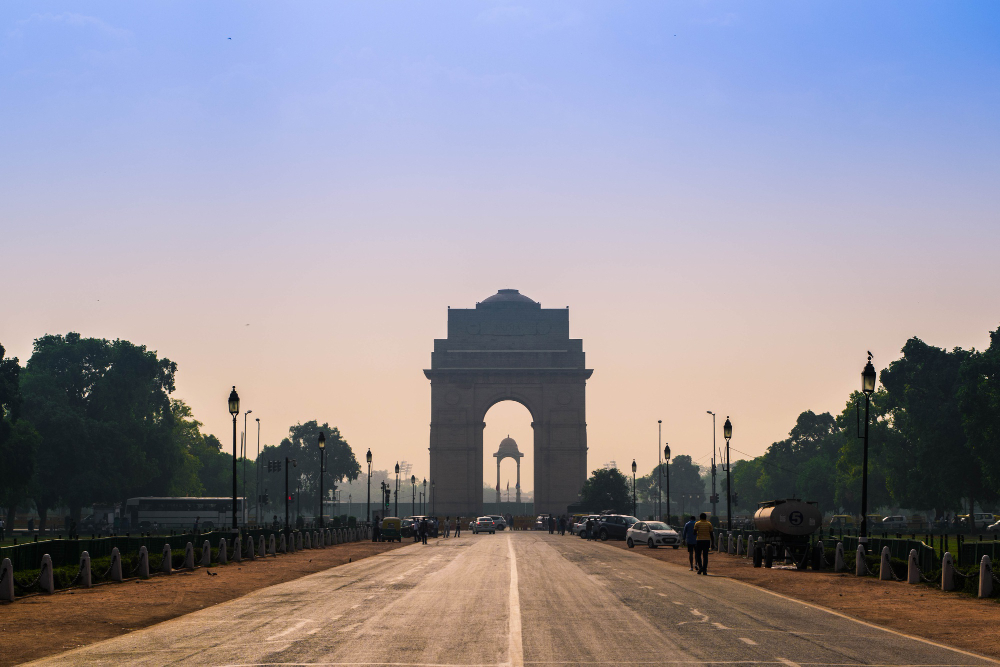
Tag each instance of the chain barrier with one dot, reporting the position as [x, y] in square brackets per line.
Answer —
[25, 589]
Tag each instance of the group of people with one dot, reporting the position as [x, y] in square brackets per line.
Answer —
[698, 538]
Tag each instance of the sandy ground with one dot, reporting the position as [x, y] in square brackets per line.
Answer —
[919, 610]
[41, 625]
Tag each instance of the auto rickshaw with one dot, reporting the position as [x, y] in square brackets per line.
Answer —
[392, 529]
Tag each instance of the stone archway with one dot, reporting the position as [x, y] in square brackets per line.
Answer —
[507, 348]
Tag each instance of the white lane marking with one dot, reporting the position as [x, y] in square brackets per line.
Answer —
[748, 641]
[515, 650]
[663, 595]
[786, 661]
[720, 626]
[675, 601]
[288, 631]
[704, 617]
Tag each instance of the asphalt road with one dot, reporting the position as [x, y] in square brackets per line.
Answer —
[514, 599]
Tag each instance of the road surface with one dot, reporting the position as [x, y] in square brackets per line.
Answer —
[513, 599]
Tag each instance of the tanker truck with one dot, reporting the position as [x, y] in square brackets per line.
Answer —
[785, 524]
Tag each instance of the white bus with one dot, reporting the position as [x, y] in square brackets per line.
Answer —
[149, 513]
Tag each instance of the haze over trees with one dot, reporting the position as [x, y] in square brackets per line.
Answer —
[91, 421]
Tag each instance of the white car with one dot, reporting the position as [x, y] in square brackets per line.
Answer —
[499, 521]
[484, 524]
[894, 524]
[653, 534]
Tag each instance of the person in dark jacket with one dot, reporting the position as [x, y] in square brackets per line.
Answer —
[689, 539]
[423, 530]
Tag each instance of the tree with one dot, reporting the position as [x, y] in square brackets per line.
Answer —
[18, 440]
[979, 400]
[607, 489]
[102, 409]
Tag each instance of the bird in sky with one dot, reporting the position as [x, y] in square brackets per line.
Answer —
[674, 36]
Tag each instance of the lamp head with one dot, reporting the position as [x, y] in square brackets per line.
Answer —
[368, 456]
[234, 402]
[666, 451]
[633, 466]
[727, 429]
[868, 377]
[397, 467]
[413, 479]
[322, 441]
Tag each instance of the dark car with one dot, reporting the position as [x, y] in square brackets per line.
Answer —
[614, 526]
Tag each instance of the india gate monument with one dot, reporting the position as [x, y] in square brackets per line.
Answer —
[507, 348]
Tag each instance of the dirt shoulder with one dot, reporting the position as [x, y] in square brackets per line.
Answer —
[37, 626]
[920, 610]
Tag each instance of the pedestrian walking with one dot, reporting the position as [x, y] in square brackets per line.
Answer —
[689, 539]
[377, 530]
[458, 526]
[562, 525]
[590, 528]
[416, 530]
[703, 530]
[423, 530]
[447, 527]
[552, 525]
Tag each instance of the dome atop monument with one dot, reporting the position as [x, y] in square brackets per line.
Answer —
[508, 447]
[509, 296]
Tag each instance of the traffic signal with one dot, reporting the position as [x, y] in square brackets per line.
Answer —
[274, 466]
[291, 497]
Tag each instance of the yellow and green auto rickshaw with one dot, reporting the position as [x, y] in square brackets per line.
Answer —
[392, 529]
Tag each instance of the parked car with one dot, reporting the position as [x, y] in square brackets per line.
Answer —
[893, 524]
[653, 534]
[499, 521]
[994, 527]
[542, 522]
[484, 524]
[982, 519]
[581, 527]
[614, 526]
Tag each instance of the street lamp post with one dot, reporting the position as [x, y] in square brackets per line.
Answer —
[322, 469]
[713, 498]
[413, 495]
[287, 461]
[368, 506]
[423, 501]
[727, 433]
[245, 448]
[434, 500]
[868, 387]
[257, 468]
[234, 410]
[395, 507]
[666, 456]
[633, 487]
[659, 470]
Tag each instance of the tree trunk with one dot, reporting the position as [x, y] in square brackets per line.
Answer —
[43, 513]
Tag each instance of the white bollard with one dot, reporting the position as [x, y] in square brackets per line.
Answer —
[839, 562]
[167, 566]
[739, 545]
[270, 545]
[750, 542]
[7, 580]
[261, 552]
[730, 547]
[985, 577]
[223, 556]
[238, 548]
[947, 573]
[143, 563]
[912, 569]
[336, 536]
[116, 565]
[860, 569]
[298, 541]
[46, 579]
[251, 550]
[306, 542]
[189, 556]
[85, 579]
[885, 569]
[282, 545]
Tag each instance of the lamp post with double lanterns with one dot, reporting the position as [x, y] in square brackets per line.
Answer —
[727, 433]
[322, 469]
[423, 503]
[659, 469]
[633, 487]
[234, 410]
[666, 457]
[868, 378]
[413, 495]
[395, 507]
[368, 505]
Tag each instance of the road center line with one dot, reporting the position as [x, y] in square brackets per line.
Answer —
[786, 661]
[288, 631]
[515, 650]
[748, 641]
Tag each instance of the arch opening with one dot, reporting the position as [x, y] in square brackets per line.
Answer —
[508, 419]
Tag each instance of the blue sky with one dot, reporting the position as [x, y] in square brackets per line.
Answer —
[708, 185]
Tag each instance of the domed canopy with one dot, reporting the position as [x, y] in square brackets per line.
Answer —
[509, 296]
[508, 448]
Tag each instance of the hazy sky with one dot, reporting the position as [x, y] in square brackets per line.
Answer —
[735, 200]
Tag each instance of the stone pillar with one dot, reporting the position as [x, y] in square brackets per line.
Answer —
[238, 548]
[206, 554]
[189, 556]
[167, 566]
[251, 551]
[7, 580]
[223, 559]
[947, 572]
[885, 569]
[730, 547]
[282, 546]
[116, 565]
[860, 569]
[306, 541]
[912, 569]
[739, 545]
[143, 563]
[985, 577]
[86, 580]
[298, 541]
[750, 545]
[839, 562]
[260, 547]
[270, 545]
[46, 579]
